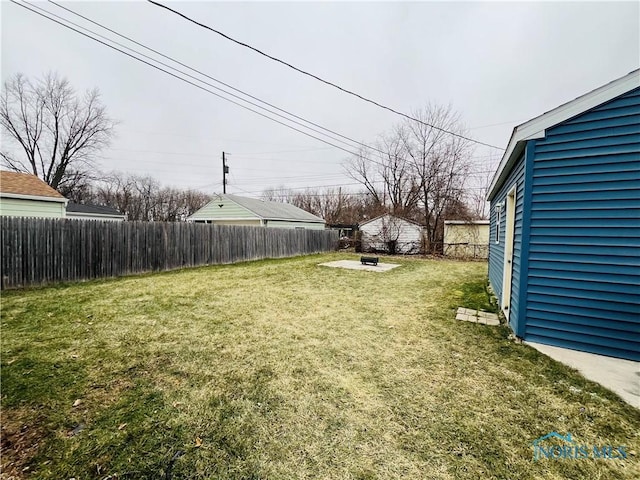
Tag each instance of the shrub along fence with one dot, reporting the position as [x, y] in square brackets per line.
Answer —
[40, 251]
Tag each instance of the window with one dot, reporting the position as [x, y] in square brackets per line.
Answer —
[498, 220]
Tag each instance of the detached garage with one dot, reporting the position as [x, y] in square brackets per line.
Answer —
[564, 257]
[391, 234]
[466, 238]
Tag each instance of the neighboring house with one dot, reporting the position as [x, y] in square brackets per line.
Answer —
[466, 239]
[564, 255]
[25, 195]
[391, 234]
[93, 212]
[344, 230]
[235, 210]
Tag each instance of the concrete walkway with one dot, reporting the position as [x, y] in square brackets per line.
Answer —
[619, 376]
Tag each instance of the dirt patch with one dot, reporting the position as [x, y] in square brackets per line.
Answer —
[19, 443]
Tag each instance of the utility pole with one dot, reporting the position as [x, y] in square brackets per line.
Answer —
[225, 170]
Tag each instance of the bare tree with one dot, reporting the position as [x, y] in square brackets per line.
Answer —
[387, 174]
[363, 169]
[192, 201]
[141, 198]
[478, 195]
[421, 171]
[278, 194]
[389, 233]
[441, 162]
[332, 204]
[57, 130]
[117, 191]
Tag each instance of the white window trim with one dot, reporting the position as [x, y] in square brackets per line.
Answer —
[498, 221]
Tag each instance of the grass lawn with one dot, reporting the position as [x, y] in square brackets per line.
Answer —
[282, 369]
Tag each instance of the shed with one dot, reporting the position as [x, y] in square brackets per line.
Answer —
[25, 195]
[230, 209]
[466, 239]
[564, 256]
[391, 234]
[93, 212]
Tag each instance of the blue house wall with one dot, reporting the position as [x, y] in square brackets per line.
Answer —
[576, 272]
[583, 277]
[496, 248]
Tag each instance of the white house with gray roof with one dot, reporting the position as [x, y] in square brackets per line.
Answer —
[230, 209]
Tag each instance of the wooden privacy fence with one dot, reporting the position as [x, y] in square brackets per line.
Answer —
[38, 251]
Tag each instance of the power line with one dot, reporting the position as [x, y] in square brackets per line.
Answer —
[472, 173]
[246, 181]
[207, 76]
[240, 156]
[208, 84]
[293, 189]
[182, 164]
[184, 79]
[361, 97]
[327, 176]
[174, 134]
[235, 186]
[248, 156]
[284, 151]
[302, 176]
[284, 160]
[512, 122]
[165, 71]
[360, 184]
[254, 180]
[337, 185]
[299, 178]
[182, 154]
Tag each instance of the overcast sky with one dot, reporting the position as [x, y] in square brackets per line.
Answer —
[498, 64]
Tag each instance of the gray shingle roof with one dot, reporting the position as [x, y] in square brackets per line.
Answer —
[274, 210]
[92, 209]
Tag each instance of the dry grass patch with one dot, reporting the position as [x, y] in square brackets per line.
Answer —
[283, 369]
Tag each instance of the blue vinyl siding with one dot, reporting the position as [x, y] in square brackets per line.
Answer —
[496, 250]
[583, 275]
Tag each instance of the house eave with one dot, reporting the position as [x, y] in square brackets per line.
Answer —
[214, 219]
[251, 219]
[390, 215]
[505, 167]
[466, 222]
[295, 220]
[34, 197]
[538, 126]
[93, 215]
